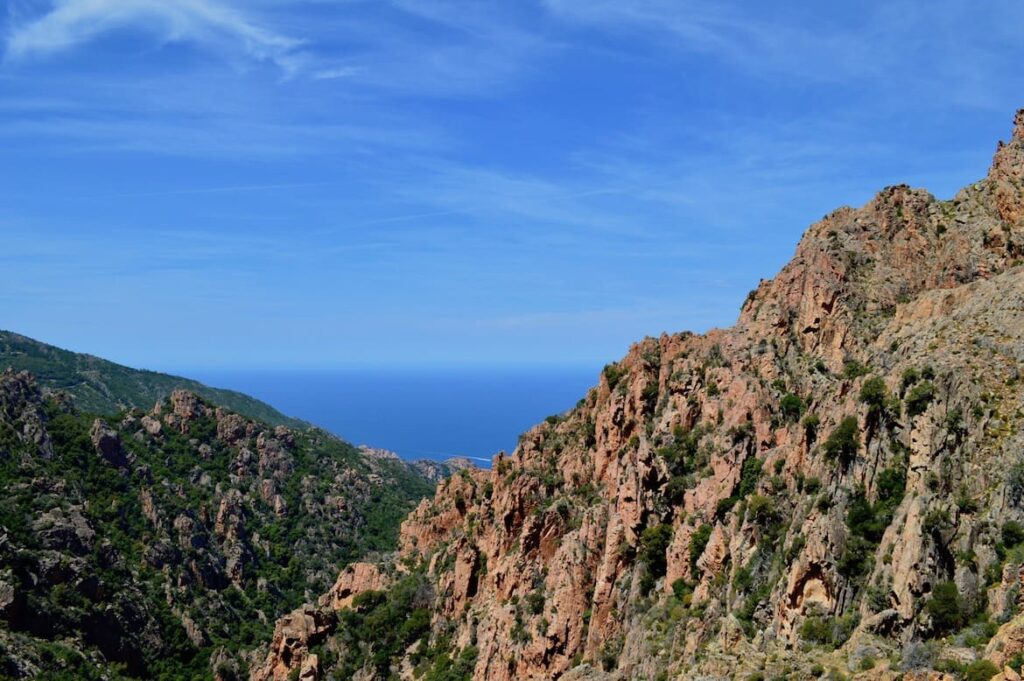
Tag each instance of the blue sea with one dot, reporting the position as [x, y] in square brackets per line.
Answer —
[419, 413]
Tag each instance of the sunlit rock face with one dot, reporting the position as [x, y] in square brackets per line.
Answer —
[789, 492]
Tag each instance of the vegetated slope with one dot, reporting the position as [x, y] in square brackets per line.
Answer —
[103, 387]
[161, 544]
[834, 483]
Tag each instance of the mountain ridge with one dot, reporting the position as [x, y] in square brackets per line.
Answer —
[101, 386]
[833, 486]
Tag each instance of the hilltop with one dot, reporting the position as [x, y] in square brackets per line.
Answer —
[103, 387]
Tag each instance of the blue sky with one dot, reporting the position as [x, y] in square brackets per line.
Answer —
[308, 183]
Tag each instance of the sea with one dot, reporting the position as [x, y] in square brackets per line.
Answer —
[418, 413]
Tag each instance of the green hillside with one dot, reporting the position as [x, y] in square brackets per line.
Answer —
[103, 387]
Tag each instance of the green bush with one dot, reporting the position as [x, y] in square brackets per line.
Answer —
[750, 473]
[1013, 534]
[613, 373]
[1015, 483]
[892, 483]
[811, 423]
[980, 670]
[723, 506]
[855, 560]
[675, 489]
[909, 378]
[946, 608]
[680, 453]
[843, 443]
[867, 522]
[874, 394]
[854, 369]
[654, 543]
[791, 407]
[680, 588]
[918, 399]
[535, 601]
[828, 631]
[761, 509]
[815, 629]
[699, 542]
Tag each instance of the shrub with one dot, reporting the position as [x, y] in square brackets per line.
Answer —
[874, 394]
[856, 557]
[743, 579]
[910, 377]
[680, 588]
[761, 509]
[675, 489]
[863, 521]
[613, 373]
[535, 601]
[699, 542]
[723, 506]
[843, 443]
[1015, 483]
[816, 630]
[867, 522]
[946, 608]
[792, 407]
[1013, 534]
[965, 502]
[811, 423]
[831, 631]
[749, 475]
[741, 433]
[654, 543]
[955, 422]
[980, 670]
[918, 399]
[854, 369]
[892, 483]
[936, 520]
[877, 598]
[681, 451]
[917, 655]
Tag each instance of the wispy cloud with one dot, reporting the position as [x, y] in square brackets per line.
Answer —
[953, 49]
[735, 34]
[336, 72]
[71, 23]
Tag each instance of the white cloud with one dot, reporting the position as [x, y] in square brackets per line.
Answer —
[71, 23]
[336, 72]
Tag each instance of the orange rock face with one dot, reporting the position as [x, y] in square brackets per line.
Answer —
[354, 580]
[294, 635]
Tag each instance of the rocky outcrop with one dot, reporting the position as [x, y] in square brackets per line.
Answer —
[20, 412]
[107, 442]
[294, 635]
[153, 536]
[789, 493]
[354, 580]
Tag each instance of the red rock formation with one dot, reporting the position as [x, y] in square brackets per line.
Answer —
[683, 520]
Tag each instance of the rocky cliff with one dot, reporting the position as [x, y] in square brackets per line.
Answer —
[832, 487]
